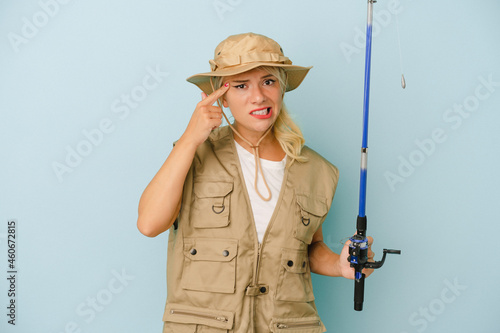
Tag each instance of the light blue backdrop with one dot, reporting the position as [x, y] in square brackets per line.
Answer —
[93, 94]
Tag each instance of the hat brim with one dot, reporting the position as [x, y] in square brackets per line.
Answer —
[295, 75]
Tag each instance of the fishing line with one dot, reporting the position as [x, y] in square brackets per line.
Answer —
[403, 81]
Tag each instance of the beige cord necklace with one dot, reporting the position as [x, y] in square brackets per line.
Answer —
[255, 149]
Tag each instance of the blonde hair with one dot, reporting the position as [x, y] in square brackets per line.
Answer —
[286, 131]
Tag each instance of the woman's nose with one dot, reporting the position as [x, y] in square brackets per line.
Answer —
[258, 95]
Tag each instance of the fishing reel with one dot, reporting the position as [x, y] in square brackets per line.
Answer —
[358, 258]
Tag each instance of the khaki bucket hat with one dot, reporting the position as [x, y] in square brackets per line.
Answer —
[240, 53]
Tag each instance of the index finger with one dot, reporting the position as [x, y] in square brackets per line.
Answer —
[210, 99]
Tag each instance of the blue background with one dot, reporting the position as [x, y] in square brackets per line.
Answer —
[66, 67]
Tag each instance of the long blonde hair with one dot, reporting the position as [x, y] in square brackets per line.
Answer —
[286, 131]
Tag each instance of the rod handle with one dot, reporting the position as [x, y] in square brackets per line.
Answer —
[359, 291]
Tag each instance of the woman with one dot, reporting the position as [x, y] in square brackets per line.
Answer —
[244, 203]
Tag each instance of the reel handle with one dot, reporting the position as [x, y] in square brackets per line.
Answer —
[378, 264]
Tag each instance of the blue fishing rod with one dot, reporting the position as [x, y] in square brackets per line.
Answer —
[358, 249]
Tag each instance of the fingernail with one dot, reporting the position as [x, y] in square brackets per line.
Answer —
[227, 84]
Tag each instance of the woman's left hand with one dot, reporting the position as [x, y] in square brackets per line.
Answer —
[345, 267]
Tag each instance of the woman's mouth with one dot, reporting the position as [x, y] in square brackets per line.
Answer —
[263, 113]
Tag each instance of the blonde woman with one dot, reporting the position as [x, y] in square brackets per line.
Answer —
[244, 203]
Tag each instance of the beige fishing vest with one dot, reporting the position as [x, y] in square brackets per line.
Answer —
[219, 279]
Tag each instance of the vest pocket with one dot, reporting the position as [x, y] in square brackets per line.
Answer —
[184, 319]
[211, 205]
[294, 280]
[302, 325]
[312, 211]
[209, 265]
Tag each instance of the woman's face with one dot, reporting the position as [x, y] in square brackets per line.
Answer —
[254, 98]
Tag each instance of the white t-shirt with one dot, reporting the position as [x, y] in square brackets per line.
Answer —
[274, 173]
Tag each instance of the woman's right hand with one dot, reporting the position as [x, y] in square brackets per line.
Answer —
[206, 117]
[160, 203]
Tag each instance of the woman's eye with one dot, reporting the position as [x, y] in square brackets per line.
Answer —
[240, 86]
[269, 82]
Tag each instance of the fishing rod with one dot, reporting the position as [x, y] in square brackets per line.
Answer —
[358, 249]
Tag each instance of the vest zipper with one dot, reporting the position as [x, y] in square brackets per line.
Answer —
[307, 324]
[258, 263]
[271, 222]
[199, 314]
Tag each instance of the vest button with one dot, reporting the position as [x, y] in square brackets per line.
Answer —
[303, 264]
[193, 251]
[289, 263]
[225, 253]
[263, 289]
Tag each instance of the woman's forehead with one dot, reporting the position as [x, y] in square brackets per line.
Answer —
[253, 73]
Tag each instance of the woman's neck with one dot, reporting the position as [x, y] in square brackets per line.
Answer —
[269, 147]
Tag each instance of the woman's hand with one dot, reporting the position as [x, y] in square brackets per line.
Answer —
[206, 117]
[325, 262]
[345, 267]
